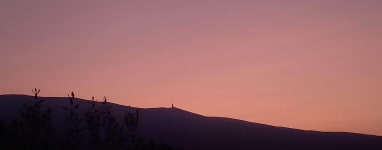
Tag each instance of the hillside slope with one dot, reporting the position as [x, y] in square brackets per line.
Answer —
[192, 131]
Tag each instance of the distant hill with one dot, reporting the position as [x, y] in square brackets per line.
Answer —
[191, 131]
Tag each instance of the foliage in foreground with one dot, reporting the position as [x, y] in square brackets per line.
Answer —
[96, 129]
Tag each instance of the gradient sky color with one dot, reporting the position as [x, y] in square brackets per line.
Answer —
[308, 64]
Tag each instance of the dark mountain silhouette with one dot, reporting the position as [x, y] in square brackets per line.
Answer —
[191, 131]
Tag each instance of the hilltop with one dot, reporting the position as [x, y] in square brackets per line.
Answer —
[192, 131]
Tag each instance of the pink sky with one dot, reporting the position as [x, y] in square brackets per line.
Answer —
[309, 64]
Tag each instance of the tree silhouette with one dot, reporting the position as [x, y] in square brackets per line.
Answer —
[93, 124]
[113, 131]
[74, 128]
[35, 124]
[105, 130]
[33, 129]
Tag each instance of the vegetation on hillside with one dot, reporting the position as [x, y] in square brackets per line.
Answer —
[96, 129]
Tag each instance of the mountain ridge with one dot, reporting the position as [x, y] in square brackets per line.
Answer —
[189, 130]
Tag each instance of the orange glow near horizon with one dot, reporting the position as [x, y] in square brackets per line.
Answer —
[313, 65]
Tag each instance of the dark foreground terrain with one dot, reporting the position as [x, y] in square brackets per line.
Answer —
[185, 130]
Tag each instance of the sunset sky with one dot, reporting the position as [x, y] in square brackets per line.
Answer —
[307, 64]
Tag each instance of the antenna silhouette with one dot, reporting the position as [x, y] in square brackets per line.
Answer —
[172, 103]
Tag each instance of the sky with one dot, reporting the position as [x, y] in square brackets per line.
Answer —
[307, 64]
